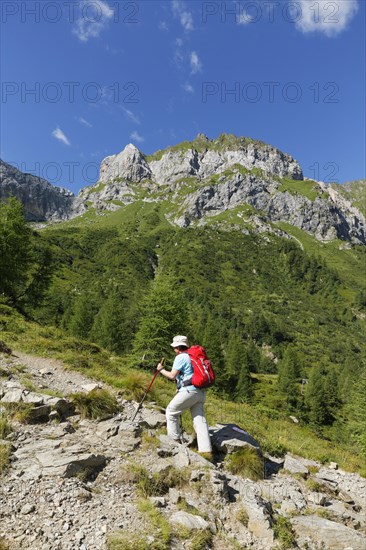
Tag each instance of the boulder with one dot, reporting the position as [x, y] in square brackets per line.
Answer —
[258, 510]
[152, 419]
[64, 407]
[39, 413]
[189, 521]
[314, 532]
[32, 397]
[228, 438]
[294, 465]
[50, 458]
[12, 396]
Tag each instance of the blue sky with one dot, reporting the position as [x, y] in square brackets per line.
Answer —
[154, 73]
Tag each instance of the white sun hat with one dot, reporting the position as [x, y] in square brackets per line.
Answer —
[180, 341]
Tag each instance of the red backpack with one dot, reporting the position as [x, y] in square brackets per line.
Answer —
[203, 374]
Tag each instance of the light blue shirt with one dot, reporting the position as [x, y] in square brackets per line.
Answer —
[183, 364]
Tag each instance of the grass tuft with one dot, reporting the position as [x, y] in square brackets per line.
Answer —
[5, 427]
[96, 404]
[134, 385]
[157, 484]
[201, 540]
[20, 412]
[5, 452]
[284, 533]
[246, 463]
[242, 516]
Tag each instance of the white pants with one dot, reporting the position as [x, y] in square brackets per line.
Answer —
[193, 400]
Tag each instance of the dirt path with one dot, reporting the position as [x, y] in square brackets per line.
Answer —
[51, 374]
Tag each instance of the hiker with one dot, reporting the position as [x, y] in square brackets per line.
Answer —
[187, 397]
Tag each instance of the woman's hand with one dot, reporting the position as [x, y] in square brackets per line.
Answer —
[160, 367]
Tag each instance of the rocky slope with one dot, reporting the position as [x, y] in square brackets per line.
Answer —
[42, 201]
[70, 484]
[205, 178]
[199, 180]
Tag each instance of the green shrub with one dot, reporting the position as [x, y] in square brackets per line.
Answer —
[201, 540]
[125, 541]
[242, 516]
[284, 533]
[96, 404]
[134, 385]
[5, 427]
[245, 462]
[313, 485]
[157, 484]
[5, 451]
[20, 412]
[161, 527]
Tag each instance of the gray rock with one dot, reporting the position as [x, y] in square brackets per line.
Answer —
[188, 520]
[152, 419]
[13, 396]
[294, 465]
[64, 407]
[230, 437]
[258, 510]
[39, 413]
[314, 531]
[90, 387]
[320, 499]
[32, 397]
[130, 165]
[159, 502]
[41, 200]
[27, 509]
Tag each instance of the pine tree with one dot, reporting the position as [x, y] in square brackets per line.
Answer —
[289, 376]
[357, 411]
[316, 397]
[15, 249]
[109, 325]
[212, 342]
[82, 318]
[163, 315]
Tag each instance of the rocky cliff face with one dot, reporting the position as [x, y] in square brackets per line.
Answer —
[202, 179]
[41, 200]
[205, 178]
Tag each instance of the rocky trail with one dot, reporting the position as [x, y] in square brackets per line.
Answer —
[73, 482]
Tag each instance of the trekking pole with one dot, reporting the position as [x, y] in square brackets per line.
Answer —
[147, 391]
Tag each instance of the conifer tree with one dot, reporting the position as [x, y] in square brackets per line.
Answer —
[316, 397]
[109, 327]
[15, 249]
[357, 411]
[289, 376]
[163, 315]
[82, 317]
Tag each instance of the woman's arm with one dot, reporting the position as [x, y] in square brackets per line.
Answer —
[168, 374]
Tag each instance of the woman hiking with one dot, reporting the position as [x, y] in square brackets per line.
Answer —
[187, 397]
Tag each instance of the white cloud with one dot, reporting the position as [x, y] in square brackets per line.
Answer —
[131, 116]
[85, 122]
[163, 26]
[330, 18]
[196, 65]
[94, 16]
[58, 134]
[187, 87]
[136, 137]
[185, 17]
